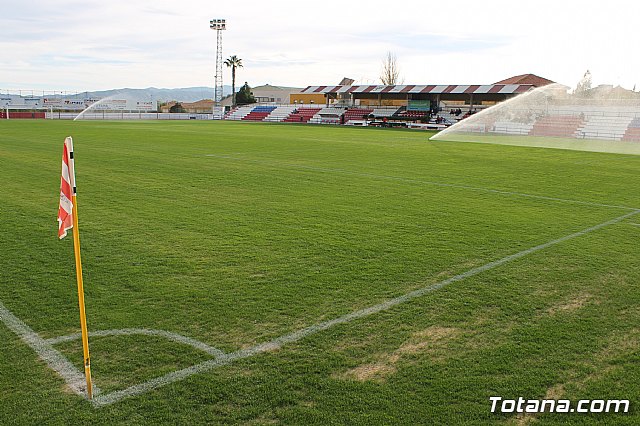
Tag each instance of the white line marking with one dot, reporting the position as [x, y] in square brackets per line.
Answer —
[142, 331]
[412, 180]
[107, 399]
[54, 359]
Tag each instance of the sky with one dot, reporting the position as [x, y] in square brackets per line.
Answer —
[72, 45]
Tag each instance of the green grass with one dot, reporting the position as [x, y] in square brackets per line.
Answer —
[235, 233]
[592, 145]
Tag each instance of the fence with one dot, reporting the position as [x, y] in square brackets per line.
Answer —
[103, 115]
[21, 115]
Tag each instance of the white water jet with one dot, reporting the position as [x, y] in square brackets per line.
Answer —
[93, 105]
[603, 119]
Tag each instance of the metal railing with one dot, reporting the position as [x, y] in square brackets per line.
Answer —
[103, 115]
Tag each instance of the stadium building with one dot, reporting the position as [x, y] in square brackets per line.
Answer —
[405, 104]
[420, 97]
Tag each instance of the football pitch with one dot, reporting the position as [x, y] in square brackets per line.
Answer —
[249, 273]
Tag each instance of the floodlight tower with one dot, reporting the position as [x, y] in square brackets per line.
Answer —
[218, 25]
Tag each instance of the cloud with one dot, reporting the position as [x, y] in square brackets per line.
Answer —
[79, 45]
[428, 43]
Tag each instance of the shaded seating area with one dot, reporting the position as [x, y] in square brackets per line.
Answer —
[357, 114]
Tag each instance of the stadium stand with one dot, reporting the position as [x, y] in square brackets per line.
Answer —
[557, 126]
[450, 118]
[228, 113]
[604, 127]
[477, 128]
[329, 115]
[632, 133]
[464, 110]
[357, 114]
[301, 115]
[512, 128]
[280, 114]
[385, 112]
[413, 115]
[259, 113]
[239, 113]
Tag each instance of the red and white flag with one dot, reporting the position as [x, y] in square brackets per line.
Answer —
[67, 190]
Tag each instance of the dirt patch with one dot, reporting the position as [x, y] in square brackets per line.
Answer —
[424, 341]
[571, 305]
[524, 419]
[555, 392]
[376, 371]
[435, 333]
[429, 340]
[408, 349]
[67, 389]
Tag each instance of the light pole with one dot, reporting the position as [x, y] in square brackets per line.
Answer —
[218, 25]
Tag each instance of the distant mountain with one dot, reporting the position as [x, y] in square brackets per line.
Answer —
[186, 94]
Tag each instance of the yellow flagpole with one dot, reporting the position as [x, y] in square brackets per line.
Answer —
[83, 318]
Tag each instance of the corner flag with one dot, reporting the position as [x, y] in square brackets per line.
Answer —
[67, 190]
[67, 219]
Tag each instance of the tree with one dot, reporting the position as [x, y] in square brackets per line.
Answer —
[177, 108]
[584, 85]
[233, 62]
[245, 96]
[390, 71]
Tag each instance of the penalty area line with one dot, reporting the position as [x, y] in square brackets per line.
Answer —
[277, 343]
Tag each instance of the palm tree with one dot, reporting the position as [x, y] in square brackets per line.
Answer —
[233, 62]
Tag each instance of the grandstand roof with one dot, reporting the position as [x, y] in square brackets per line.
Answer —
[532, 79]
[413, 89]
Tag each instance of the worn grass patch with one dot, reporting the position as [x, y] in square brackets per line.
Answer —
[432, 343]
[571, 305]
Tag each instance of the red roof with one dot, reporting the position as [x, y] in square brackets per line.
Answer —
[531, 79]
[506, 89]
